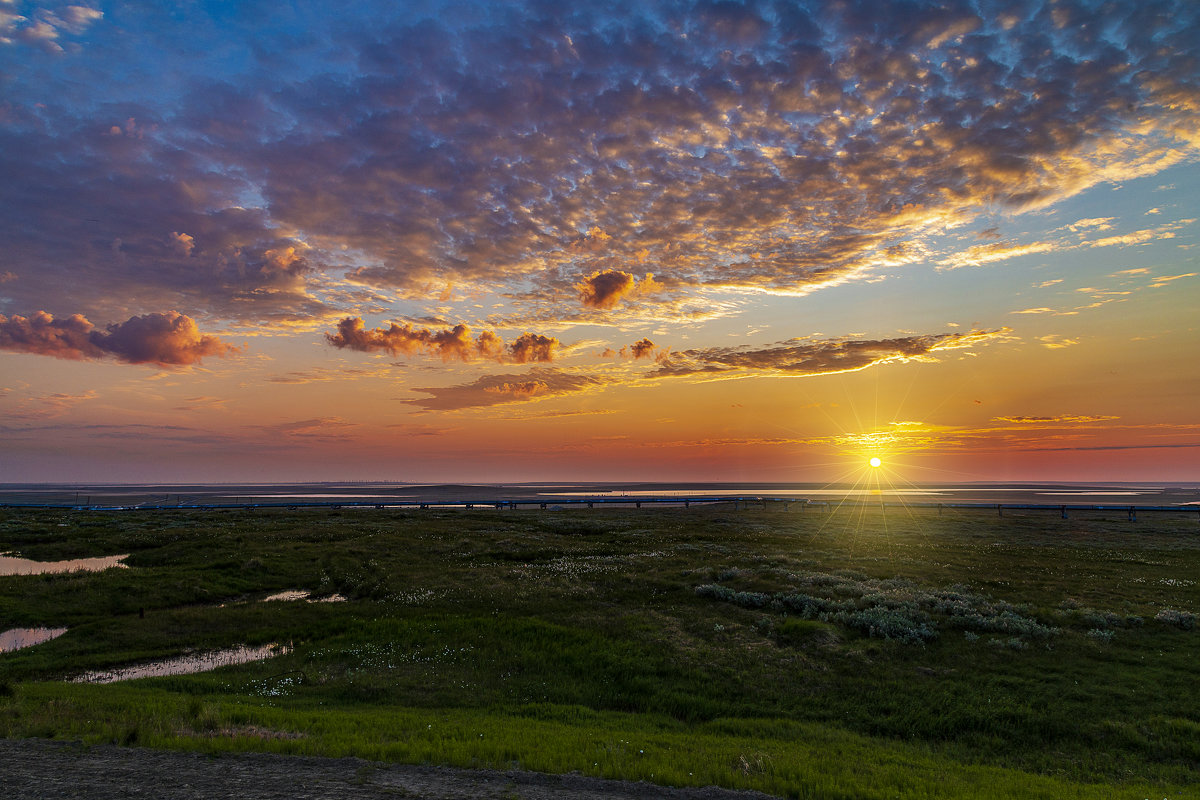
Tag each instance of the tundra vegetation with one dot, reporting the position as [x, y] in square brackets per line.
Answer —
[847, 655]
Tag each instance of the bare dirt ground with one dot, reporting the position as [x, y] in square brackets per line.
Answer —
[34, 768]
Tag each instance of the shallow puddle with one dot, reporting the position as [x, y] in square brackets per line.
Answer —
[17, 638]
[305, 595]
[185, 665]
[14, 565]
[287, 596]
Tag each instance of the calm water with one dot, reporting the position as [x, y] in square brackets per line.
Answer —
[140, 494]
[13, 565]
[185, 665]
[16, 638]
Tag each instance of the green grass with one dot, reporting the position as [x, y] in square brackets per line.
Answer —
[749, 649]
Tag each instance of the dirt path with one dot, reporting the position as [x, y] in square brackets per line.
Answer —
[34, 768]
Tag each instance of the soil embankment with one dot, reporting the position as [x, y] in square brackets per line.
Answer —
[41, 769]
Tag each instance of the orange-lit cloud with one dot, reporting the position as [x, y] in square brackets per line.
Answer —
[643, 348]
[719, 160]
[1053, 341]
[451, 344]
[1166, 280]
[531, 347]
[1062, 418]
[816, 357]
[987, 253]
[326, 374]
[519, 390]
[168, 339]
[607, 289]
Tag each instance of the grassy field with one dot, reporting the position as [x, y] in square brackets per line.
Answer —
[847, 655]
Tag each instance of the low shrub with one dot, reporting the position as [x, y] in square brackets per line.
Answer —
[1185, 620]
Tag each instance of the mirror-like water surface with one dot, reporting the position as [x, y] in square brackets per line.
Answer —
[305, 595]
[287, 596]
[14, 565]
[16, 638]
[185, 665]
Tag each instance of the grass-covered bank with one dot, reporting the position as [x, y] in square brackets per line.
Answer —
[856, 655]
[797, 759]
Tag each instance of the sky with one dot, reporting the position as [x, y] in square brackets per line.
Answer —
[543, 241]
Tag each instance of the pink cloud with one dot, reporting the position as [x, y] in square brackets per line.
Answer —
[166, 339]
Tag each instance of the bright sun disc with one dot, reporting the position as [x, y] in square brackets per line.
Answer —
[875, 462]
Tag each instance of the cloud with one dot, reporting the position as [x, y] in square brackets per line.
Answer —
[999, 251]
[51, 405]
[151, 435]
[554, 414]
[817, 357]
[552, 157]
[520, 390]
[1117, 447]
[46, 26]
[539, 383]
[42, 334]
[1093, 223]
[1056, 342]
[531, 347]
[451, 344]
[1136, 237]
[409, 429]
[643, 348]
[183, 243]
[165, 339]
[757, 147]
[1166, 231]
[203, 403]
[987, 253]
[607, 289]
[326, 374]
[1061, 418]
[320, 428]
[1165, 280]
[78, 18]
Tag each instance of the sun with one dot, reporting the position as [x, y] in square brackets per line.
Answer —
[874, 462]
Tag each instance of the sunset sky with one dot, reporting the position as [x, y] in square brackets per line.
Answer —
[544, 241]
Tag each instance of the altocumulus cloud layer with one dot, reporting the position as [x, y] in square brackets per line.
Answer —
[268, 165]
